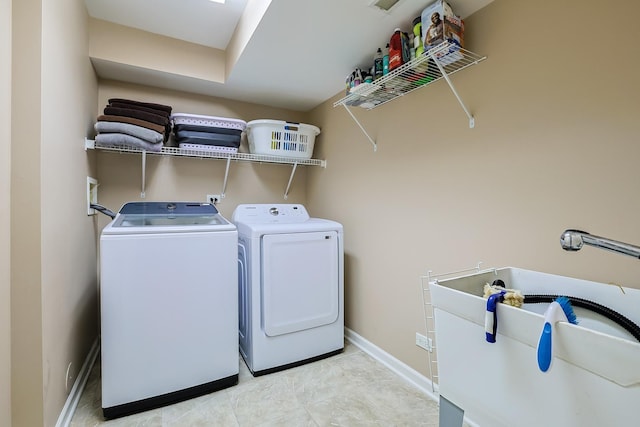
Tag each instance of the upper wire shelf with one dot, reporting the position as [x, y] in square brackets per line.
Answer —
[436, 63]
[182, 152]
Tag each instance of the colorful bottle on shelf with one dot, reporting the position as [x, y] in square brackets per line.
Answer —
[399, 50]
[378, 65]
[411, 48]
[358, 77]
[406, 47]
[385, 61]
[395, 50]
[417, 36]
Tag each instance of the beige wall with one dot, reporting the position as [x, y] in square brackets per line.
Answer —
[120, 44]
[69, 237]
[53, 241]
[555, 146]
[26, 214]
[171, 178]
[5, 200]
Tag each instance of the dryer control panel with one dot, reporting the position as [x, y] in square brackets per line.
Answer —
[270, 213]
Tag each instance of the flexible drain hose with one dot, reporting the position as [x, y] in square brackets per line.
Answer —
[613, 315]
[610, 314]
[108, 212]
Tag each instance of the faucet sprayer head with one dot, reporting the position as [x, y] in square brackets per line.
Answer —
[571, 240]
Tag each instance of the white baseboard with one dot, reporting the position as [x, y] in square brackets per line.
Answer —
[64, 420]
[401, 369]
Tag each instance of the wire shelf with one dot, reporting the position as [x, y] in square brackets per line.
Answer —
[90, 144]
[187, 152]
[438, 62]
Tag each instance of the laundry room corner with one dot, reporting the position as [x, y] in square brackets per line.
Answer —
[247, 271]
[439, 195]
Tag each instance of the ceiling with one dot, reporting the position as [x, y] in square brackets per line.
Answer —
[297, 57]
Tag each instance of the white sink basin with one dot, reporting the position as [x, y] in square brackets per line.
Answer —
[594, 379]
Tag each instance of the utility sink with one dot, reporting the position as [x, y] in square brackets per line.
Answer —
[594, 379]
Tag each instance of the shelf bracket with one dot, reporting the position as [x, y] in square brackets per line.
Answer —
[226, 176]
[375, 146]
[144, 172]
[472, 121]
[293, 172]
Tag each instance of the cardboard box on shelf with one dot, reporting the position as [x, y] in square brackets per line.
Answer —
[439, 25]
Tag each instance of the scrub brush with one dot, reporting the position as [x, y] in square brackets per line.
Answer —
[558, 311]
[495, 293]
[491, 316]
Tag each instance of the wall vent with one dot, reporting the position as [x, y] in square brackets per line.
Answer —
[384, 4]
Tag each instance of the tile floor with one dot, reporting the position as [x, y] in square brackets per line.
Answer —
[349, 389]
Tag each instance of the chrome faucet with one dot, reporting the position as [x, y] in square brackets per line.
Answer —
[573, 240]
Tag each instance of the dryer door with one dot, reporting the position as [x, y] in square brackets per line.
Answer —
[300, 282]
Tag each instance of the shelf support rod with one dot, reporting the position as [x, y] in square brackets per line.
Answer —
[375, 146]
[293, 172]
[226, 176]
[472, 121]
[144, 172]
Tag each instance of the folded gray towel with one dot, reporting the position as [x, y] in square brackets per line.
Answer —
[129, 129]
[124, 140]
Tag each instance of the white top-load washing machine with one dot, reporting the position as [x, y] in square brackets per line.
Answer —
[291, 284]
[168, 300]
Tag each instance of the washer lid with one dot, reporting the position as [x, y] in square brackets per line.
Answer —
[166, 217]
[168, 208]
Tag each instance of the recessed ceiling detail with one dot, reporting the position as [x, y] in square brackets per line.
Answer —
[289, 54]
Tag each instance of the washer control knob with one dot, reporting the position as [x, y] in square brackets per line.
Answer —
[274, 211]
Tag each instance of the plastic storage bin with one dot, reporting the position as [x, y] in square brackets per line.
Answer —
[280, 138]
[207, 121]
[208, 133]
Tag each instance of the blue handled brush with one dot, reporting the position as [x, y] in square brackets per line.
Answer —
[491, 316]
[558, 311]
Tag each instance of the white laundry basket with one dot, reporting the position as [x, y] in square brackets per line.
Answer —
[280, 138]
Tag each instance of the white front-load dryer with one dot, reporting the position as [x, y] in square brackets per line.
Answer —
[168, 301]
[291, 286]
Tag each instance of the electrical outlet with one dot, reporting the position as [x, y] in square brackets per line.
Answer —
[92, 194]
[424, 342]
[214, 198]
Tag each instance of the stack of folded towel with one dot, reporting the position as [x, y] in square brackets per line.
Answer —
[129, 123]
